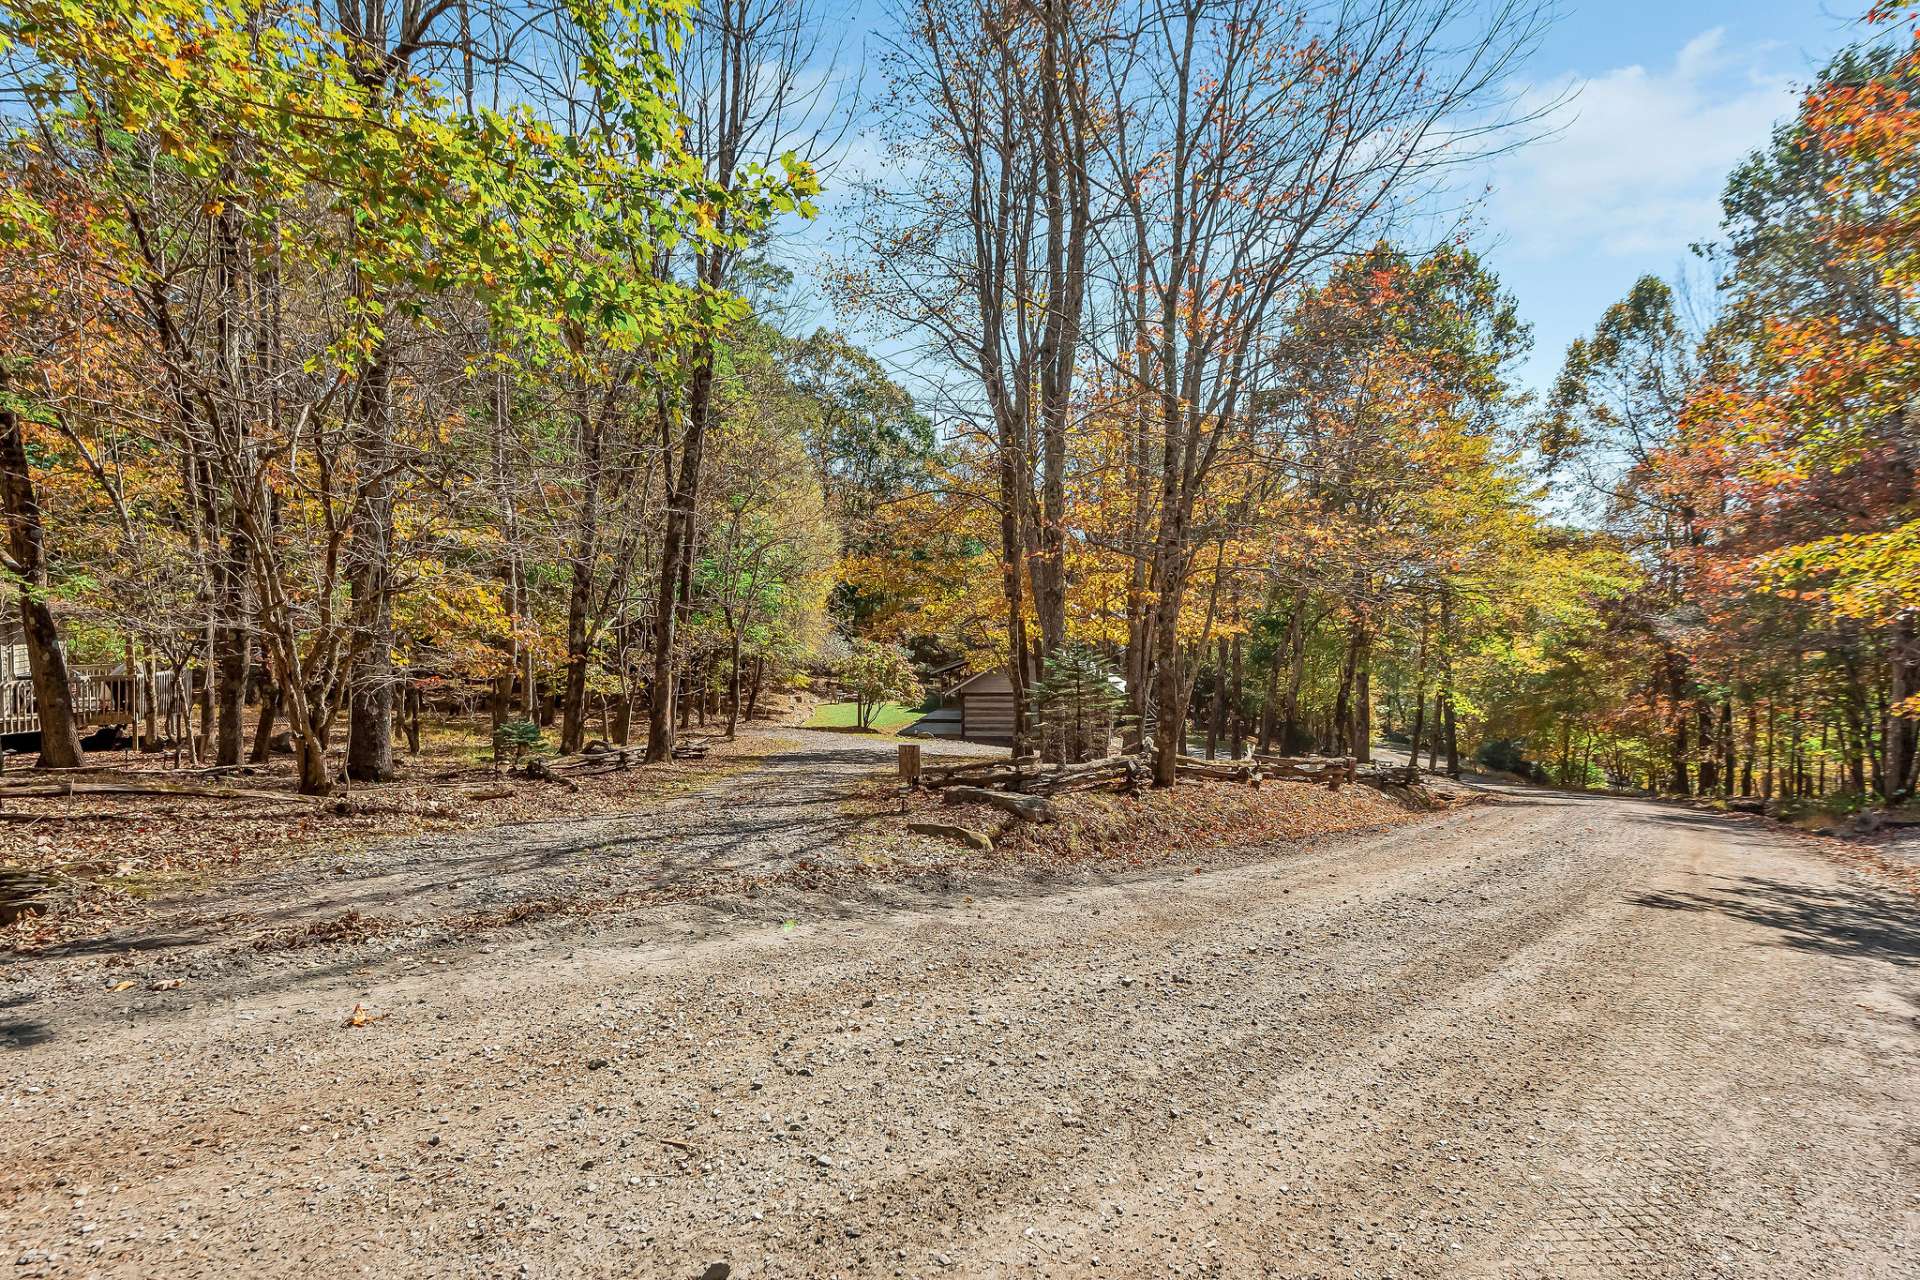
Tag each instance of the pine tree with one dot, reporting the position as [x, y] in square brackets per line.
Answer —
[1076, 705]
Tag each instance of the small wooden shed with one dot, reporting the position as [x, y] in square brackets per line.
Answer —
[985, 702]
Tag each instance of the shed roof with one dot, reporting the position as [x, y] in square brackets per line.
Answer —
[992, 680]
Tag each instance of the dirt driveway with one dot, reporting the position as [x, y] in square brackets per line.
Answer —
[1556, 1036]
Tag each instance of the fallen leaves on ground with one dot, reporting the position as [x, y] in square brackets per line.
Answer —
[109, 854]
[362, 1015]
[1884, 863]
[1155, 826]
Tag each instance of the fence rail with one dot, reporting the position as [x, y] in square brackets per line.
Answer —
[102, 695]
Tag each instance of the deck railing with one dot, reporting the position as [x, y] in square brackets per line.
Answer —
[102, 695]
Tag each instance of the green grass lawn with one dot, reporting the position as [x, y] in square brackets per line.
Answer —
[840, 715]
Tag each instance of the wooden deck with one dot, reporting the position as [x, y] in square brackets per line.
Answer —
[102, 695]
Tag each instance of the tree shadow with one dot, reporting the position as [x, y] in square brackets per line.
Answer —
[21, 1031]
[672, 849]
[1736, 829]
[108, 944]
[1857, 922]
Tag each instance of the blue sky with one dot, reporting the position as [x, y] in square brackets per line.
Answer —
[1668, 97]
[1662, 100]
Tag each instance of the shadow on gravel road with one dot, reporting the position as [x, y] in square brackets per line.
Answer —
[1856, 922]
[18, 1031]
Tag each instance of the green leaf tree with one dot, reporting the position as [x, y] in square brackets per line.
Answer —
[876, 674]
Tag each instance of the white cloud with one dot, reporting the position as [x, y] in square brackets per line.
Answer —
[1638, 157]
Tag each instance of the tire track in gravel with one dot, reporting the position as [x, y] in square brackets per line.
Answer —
[1436, 984]
[1539, 1039]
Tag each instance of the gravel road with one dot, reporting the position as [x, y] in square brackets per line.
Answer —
[1557, 1036]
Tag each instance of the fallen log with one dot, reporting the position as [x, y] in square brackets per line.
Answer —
[1304, 762]
[57, 790]
[1121, 783]
[23, 893]
[540, 771]
[1024, 807]
[112, 771]
[1104, 765]
[938, 772]
[353, 806]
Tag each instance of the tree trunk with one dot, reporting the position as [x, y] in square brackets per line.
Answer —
[500, 701]
[573, 700]
[513, 581]
[586, 555]
[203, 692]
[733, 683]
[413, 720]
[1728, 752]
[1236, 701]
[623, 720]
[753, 691]
[1012, 487]
[26, 543]
[1169, 687]
[1439, 723]
[1292, 735]
[262, 749]
[1066, 193]
[1903, 730]
[1419, 691]
[1217, 720]
[311, 761]
[370, 687]
[1753, 745]
[1363, 698]
[233, 648]
[1269, 705]
[1676, 669]
[683, 496]
[1773, 725]
[151, 672]
[1341, 739]
[1796, 746]
[1854, 747]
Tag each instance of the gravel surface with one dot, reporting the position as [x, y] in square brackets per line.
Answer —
[788, 810]
[1555, 1036]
